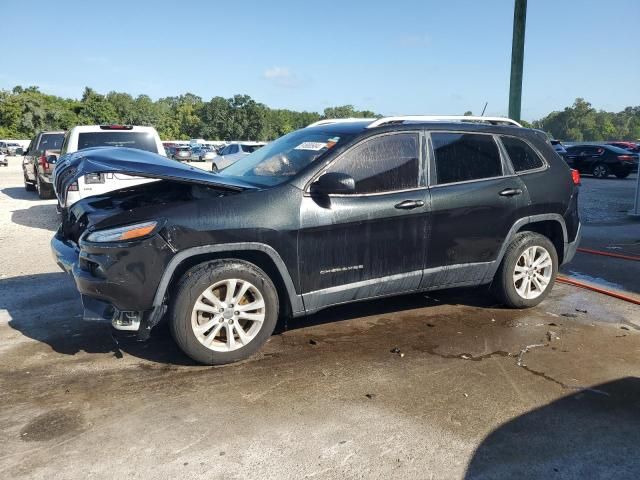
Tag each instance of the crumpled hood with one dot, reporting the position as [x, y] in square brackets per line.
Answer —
[133, 162]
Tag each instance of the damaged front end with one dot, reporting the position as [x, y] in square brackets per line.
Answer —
[116, 245]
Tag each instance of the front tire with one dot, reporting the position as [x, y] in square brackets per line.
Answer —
[214, 168]
[527, 272]
[223, 311]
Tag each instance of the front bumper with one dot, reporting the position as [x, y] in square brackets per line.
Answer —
[116, 283]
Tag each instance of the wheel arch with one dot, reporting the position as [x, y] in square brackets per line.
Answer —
[551, 225]
[259, 254]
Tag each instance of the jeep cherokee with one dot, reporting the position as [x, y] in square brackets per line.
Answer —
[337, 212]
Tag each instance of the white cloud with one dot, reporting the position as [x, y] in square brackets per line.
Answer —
[415, 40]
[282, 77]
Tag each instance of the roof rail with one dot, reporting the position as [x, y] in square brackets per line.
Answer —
[329, 121]
[444, 118]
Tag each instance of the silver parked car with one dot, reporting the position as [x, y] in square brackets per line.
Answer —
[232, 153]
[182, 153]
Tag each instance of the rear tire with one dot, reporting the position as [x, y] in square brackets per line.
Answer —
[217, 298]
[622, 174]
[600, 170]
[527, 272]
[28, 186]
[44, 192]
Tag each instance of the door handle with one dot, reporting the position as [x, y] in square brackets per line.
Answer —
[510, 192]
[409, 204]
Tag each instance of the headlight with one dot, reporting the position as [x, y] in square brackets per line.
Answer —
[119, 234]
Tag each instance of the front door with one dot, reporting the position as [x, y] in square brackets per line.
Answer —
[371, 242]
[475, 201]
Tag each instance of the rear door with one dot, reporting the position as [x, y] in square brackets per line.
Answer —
[371, 242]
[475, 199]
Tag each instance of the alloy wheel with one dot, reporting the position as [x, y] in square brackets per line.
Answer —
[532, 273]
[600, 171]
[228, 315]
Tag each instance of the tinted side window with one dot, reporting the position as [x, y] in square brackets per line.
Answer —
[522, 155]
[382, 164]
[465, 156]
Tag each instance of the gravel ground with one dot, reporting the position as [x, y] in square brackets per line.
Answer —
[445, 385]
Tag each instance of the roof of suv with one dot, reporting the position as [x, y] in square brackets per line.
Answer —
[354, 128]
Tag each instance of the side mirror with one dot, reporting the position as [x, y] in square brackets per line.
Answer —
[52, 159]
[334, 183]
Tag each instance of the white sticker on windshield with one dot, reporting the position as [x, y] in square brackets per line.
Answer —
[311, 146]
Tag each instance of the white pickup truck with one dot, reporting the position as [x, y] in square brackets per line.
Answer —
[89, 136]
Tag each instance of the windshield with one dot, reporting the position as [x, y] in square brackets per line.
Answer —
[285, 157]
[140, 140]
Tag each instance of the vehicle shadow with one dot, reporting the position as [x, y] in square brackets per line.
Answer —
[38, 216]
[473, 297]
[55, 318]
[594, 433]
[19, 193]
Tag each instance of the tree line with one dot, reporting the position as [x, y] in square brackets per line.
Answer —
[25, 111]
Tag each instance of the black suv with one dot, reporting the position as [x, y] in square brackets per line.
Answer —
[328, 214]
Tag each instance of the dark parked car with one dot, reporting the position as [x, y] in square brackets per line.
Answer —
[326, 215]
[39, 161]
[602, 160]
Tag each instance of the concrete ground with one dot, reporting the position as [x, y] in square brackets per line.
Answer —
[445, 385]
[607, 227]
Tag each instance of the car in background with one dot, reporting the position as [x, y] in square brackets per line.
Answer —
[206, 153]
[232, 153]
[182, 153]
[631, 146]
[90, 136]
[3, 160]
[10, 148]
[602, 160]
[559, 148]
[39, 161]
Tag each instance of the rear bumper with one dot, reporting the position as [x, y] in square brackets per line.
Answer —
[46, 178]
[570, 248]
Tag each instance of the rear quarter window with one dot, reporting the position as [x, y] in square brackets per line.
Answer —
[461, 157]
[522, 156]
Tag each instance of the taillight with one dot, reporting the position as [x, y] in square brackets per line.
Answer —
[73, 187]
[625, 158]
[43, 162]
[575, 176]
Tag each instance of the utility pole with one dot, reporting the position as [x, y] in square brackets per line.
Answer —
[517, 58]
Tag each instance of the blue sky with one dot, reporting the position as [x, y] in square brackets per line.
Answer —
[398, 57]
